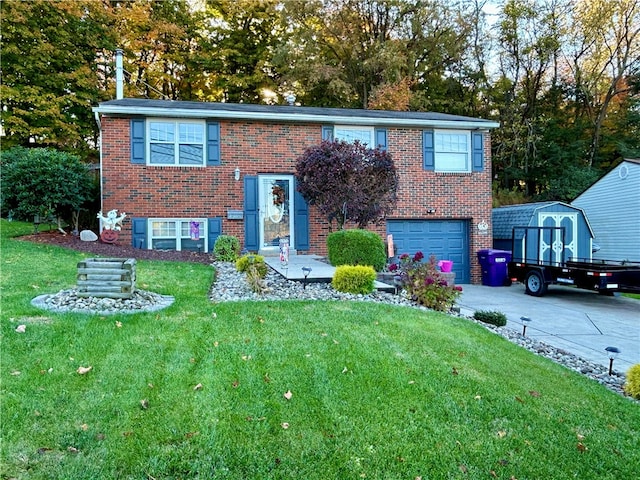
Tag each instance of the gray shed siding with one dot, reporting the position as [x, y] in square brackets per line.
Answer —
[542, 214]
[612, 205]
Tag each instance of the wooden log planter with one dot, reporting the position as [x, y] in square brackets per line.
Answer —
[107, 277]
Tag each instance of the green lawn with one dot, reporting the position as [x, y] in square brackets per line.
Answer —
[197, 390]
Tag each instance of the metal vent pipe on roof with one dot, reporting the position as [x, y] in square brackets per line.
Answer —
[119, 75]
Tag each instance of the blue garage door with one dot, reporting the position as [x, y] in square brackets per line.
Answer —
[446, 239]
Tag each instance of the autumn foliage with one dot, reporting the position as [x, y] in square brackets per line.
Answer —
[348, 182]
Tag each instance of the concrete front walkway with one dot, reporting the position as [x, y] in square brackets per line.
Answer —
[321, 271]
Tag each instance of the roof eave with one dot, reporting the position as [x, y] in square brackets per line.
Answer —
[293, 117]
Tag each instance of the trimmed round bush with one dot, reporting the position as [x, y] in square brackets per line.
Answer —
[632, 384]
[245, 262]
[226, 248]
[356, 247]
[354, 279]
[496, 318]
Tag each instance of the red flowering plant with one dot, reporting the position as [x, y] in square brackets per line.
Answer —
[425, 284]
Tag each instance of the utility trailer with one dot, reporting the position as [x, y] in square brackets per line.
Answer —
[541, 257]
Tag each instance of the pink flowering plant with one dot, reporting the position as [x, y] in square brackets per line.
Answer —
[424, 283]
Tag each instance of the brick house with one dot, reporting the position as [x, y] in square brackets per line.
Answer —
[186, 172]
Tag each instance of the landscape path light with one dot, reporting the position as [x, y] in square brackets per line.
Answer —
[613, 353]
[305, 271]
[525, 321]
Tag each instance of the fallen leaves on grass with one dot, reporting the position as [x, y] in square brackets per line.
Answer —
[288, 395]
[84, 370]
[144, 403]
[119, 324]
[284, 425]
[581, 447]
[198, 387]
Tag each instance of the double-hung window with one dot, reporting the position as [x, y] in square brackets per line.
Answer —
[452, 150]
[178, 234]
[180, 143]
[364, 135]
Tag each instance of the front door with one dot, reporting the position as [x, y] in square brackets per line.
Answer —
[276, 207]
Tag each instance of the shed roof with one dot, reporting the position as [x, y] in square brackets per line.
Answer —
[521, 215]
[244, 111]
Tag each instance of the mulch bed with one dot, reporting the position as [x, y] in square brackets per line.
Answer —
[54, 237]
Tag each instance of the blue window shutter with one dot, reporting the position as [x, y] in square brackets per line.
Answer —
[214, 230]
[213, 143]
[327, 132]
[381, 138]
[428, 150]
[251, 213]
[139, 233]
[300, 222]
[138, 141]
[477, 149]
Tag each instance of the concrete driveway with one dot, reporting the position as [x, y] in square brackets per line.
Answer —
[578, 321]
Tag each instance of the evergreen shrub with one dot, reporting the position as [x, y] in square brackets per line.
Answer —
[358, 279]
[245, 262]
[498, 319]
[226, 248]
[632, 384]
[356, 247]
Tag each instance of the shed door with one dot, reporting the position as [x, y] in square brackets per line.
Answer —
[560, 251]
[446, 239]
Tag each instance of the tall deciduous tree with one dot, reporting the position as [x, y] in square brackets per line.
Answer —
[165, 50]
[605, 58]
[348, 182]
[243, 35]
[50, 76]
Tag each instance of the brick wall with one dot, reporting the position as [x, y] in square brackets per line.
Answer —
[265, 148]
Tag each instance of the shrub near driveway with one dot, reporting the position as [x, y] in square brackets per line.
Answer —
[356, 247]
[198, 390]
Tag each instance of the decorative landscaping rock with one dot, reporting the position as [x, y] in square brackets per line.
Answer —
[69, 301]
[88, 236]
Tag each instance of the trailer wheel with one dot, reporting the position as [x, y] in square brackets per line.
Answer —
[534, 284]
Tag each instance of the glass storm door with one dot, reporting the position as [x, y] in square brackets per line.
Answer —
[276, 207]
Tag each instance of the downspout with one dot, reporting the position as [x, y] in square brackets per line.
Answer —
[97, 116]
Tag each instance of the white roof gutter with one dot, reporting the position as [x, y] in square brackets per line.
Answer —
[292, 117]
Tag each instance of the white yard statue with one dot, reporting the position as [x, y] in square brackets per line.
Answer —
[111, 225]
[112, 221]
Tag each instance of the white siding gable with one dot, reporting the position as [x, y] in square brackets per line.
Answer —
[612, 206]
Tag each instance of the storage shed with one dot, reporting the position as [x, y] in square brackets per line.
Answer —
[613, 207]
[578, 235]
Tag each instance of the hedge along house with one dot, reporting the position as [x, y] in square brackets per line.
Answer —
[186, 172]
[578, 235]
